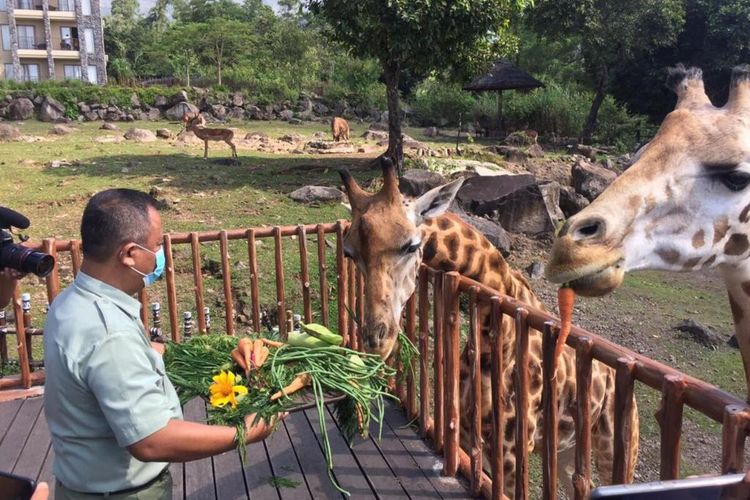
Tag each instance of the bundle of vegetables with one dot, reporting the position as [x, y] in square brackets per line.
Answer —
[207, 366]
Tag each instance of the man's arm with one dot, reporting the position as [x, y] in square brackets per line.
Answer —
[8, 279]
[182, 441]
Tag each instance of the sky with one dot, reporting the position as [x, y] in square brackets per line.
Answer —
[147, 4]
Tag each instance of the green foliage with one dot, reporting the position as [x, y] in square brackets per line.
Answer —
[437, 103]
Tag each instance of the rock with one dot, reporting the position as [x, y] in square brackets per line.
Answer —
[329, 147]
[535, 151]
[431, 132]
[256, 136]
[411, 143]
[571, 202]
[587, 151]
[219, 111]
[20, 109]
[515, 201]
[83, 107]
[236, 113]
[700, 333]
[375, 135]
[176, 112]
[140, 135]
[291, 138]
[61, 130]
[589, 179]
[466, 168]
[491, 230]
[51, 110]
[9, 132]
[164, 133]
[238, 100]
[160, 101]
[153, 114]
[310, 194]
[254, 112]
[379, 126]
[551, 194]
[418, 182]
[91, 116]
[109, 126]
[135, 102]
[535, 270]
[286, 115]
[732, 342]
[321, 109]
[512, 153]
[295, 121]
[179, 97]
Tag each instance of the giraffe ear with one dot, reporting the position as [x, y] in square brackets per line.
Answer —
[435, 201]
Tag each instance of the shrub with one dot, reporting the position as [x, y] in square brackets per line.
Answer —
[438, 103]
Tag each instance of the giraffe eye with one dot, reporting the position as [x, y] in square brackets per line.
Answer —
[409, 248]
[735, 180]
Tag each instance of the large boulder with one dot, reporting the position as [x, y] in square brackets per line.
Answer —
[589, 179]
[9, 132]
[286, 115]
[135, 102]
[571, 202]
[238, 100]
[160, 101]
[311, 194]
[219, 111]
[491, 230]
[109, 126]
[176, 112]
[179, 97]
[515, 201]
[375, 135]
[236, 113]
[51, 110]
[418, 182]
[20, 109]
[61, 130]
[551, 194]
[163, 133]
[140, 135]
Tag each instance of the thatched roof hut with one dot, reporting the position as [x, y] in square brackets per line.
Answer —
[504, 75]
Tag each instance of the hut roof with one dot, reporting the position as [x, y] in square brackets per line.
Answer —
[504, 75]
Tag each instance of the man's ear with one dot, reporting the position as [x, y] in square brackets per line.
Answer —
[125, 254]
[435, 201]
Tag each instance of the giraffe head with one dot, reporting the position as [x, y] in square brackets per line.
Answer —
[385, 242]
[683, 205]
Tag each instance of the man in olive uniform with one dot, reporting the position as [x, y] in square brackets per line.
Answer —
[113, 414]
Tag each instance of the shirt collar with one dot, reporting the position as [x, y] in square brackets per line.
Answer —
[121, 299]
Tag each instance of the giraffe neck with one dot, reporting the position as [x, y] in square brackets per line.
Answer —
[453, 245]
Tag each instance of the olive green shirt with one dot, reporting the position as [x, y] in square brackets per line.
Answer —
[105, 388]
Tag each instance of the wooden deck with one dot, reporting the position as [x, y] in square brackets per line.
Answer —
[288, 465]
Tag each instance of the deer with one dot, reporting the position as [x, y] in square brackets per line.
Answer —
[196, 123]
[339, 129]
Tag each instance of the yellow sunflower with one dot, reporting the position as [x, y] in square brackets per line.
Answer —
[224, 390]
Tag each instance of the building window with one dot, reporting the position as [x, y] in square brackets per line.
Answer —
[8, 71]
[66, 5]
[86, 7]
[3, 6]
[88, 34]
[26, 37]
[72, 72]
[5, 30]
[92, 76]
[69, 38]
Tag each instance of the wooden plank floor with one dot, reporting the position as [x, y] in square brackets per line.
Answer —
[288, 465]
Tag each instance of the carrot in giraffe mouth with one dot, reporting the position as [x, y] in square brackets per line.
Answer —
[565, 299]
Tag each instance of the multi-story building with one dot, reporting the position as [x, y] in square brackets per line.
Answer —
[52, 40]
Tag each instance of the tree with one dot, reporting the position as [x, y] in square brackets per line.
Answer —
[419, 36]
[221, 43]
[611, 32]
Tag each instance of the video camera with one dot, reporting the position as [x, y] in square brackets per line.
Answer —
[19, 257]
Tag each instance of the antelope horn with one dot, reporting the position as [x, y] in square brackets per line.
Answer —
[390, 178]
[739, 90]
[687, 83]
[355, 193]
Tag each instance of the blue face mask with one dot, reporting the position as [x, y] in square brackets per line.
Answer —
[150, 278]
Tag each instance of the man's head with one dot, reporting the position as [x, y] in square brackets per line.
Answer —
[121, 230]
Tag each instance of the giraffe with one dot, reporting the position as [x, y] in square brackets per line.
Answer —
[389, 237]
[683, 205]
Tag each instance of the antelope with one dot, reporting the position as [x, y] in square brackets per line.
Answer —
[196, 123]
[339, 129]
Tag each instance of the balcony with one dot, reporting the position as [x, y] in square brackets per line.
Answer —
[32, 9]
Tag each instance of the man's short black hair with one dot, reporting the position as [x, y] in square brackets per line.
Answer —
[113, 217]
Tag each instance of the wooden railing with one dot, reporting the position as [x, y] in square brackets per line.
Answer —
[433, 321]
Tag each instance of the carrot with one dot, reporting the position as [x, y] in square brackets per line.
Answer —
[245, 347]
[272, 343]
[237, 357]
[565, 299]
[302, 380]
[257, 346]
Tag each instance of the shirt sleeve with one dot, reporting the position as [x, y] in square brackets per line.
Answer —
[129, 387]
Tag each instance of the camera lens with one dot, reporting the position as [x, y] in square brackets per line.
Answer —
[26, 260]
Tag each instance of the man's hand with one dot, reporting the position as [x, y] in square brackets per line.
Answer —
[41, 492]
[158, 347]
[262, 429]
